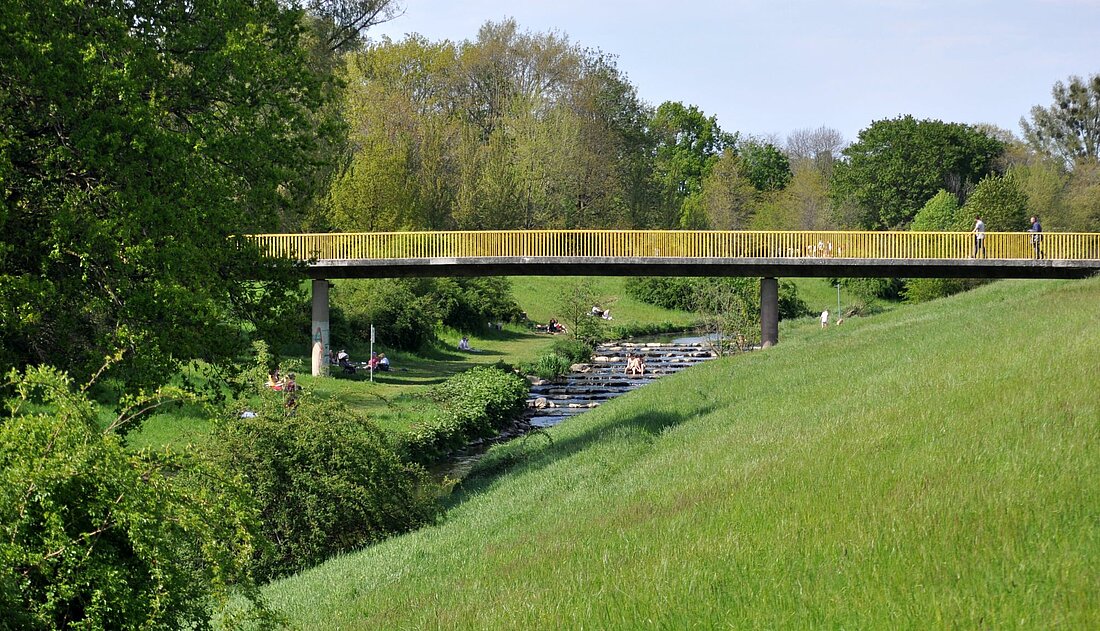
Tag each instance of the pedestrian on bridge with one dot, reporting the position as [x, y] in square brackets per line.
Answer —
[979, 237]
[1036, 231]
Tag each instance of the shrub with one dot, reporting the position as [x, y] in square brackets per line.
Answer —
[691, 294]
[548, 366]
[402, 318]
[925, 289]
[666, 292]
[94, 536]
[468, 303]
[575, 351]
[474, 404]
[325, 479]
[641, 329]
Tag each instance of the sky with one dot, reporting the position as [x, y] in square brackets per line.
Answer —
[766, 68]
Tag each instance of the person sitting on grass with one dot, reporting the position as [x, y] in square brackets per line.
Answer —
[464, 344]
[383, 363]
[273, 380]
[373, 363]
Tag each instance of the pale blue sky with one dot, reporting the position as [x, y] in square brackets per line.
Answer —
[770, 67]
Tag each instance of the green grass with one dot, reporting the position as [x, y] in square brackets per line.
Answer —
[540, 297]
[937, 466]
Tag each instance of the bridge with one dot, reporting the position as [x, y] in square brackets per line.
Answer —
[765, 254]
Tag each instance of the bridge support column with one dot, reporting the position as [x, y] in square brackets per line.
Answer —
[319, 351]
[769, 312]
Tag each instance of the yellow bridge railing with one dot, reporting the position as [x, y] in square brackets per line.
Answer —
[675, 244]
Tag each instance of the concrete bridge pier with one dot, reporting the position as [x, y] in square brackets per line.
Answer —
[319, 351]
[769, 312]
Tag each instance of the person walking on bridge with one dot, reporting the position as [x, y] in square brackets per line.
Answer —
[979, 237]
[1036, 231]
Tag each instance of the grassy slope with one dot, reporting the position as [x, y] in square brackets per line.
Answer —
[540, 297]
[935, 466]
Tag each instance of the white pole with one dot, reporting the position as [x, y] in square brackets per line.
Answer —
[370, 365]
[838, 300]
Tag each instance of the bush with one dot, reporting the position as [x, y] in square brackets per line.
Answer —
[574, 351]
[925, 289]
[475, 404]
[690, 294]
[326, 481]
[665, 292]
[402, 318]
[94, 536]
[468, 303]
[548, 366]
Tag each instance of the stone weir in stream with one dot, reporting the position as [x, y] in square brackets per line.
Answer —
[589, 385]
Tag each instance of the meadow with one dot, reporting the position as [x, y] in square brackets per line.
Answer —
[936, 466]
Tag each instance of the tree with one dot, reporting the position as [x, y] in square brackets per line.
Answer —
[575, 304]
[897, 165]
[687, 145]
[999, 202]
[815, 148]
[1082, 198]
[1070, 128]
[343, 21]
[93, 535]
[139, 136]
[940, 214]
[765, 166]
[1044, 180]
[728, 197]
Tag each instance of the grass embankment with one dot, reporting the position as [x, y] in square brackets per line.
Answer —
[935, 466]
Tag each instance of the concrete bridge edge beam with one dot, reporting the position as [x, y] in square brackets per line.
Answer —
[319, 351]
[769, 312]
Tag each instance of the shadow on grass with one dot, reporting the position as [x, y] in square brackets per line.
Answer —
[537, 450]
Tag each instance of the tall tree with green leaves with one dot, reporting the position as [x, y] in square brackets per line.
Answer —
[138, 137]
[1070, 128]
[897, 165]
[688, 143]
[765, 165]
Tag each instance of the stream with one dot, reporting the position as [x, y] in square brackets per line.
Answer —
[588, 386]
[605, 378]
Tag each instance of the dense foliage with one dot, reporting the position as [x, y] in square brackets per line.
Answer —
[95, 536]
[325, 480]
[137, 137]
[406, 312]
[693, 294]
[474, 404]
[897, 165]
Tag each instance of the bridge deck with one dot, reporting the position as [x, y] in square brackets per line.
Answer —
[653, 266]
[686, 253]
